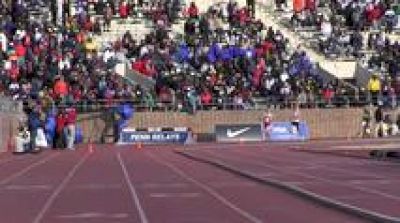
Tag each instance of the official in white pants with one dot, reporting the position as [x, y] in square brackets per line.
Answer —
[70, 126]
[22, 141]
[71, 129]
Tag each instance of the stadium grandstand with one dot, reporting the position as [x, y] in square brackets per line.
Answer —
[127, 105]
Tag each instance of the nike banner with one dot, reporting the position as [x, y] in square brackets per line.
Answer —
[236, 133]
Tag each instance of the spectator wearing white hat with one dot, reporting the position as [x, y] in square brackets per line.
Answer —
[326, 28]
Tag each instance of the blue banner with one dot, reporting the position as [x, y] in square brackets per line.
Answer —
[287, 131]
[129, 137]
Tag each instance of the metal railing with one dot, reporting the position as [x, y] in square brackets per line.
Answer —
[255, 103]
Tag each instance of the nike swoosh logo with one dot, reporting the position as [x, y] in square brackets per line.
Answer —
[232, 134]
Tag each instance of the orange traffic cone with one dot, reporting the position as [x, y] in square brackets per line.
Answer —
[139, 145]
[90, 147]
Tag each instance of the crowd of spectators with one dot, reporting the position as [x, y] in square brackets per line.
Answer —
[226, 57]
[341, 23]
[41, 61]
[357, 30]
[54, 69]
[384, 65]
[352, 14]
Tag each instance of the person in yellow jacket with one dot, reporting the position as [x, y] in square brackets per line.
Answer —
[91, 45]
[374, 87]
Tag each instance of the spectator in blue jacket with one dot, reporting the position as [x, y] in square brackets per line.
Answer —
[34, 124]
[182, 54]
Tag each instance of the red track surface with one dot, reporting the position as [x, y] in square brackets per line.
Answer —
[151, 185]
[369, 184]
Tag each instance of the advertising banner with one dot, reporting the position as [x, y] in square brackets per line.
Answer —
[238, 133]
[286, 131]
[153, 137]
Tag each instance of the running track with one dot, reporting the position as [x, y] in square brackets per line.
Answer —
[157, 184]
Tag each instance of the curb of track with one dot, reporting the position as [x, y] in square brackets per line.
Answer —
[334, 153]
[321, 200]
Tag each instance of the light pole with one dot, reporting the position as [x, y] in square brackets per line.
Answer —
[60, 13]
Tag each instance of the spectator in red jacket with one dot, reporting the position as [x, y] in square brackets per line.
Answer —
[60, 87]
[193, 11]
[374, 12]
[124, 9]
[206, 98]
[20, 50]
[14, 71]
[60, 126]
[145, 67]
[328, 94]
[70, 124]
[268, 46]
[139, 66]
[310, 5]
[258, 72]
[244, 16]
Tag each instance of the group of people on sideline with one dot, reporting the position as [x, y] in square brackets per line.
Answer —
[39, 129]
[378, 123]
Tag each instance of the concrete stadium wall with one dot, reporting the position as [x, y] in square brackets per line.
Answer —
[8, 129]
[323, 123]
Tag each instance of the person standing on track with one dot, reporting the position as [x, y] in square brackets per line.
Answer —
[22, 139]
[266, 125]
[366, 124]
[61, 120]
[379, 123]
[296, 120]
[70, 124]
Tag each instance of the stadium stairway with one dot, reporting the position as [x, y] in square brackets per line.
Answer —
[340, 69]
[136, 26]
[38, 12]
[119, 27]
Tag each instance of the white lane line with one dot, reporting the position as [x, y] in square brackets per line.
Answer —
[209, 190]
[323, 179]
[27, 187]
[174, 195]
[28, 168]
[58, 190]
[311, 177]
[162, 186]
[92, 215]
[132, 189]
